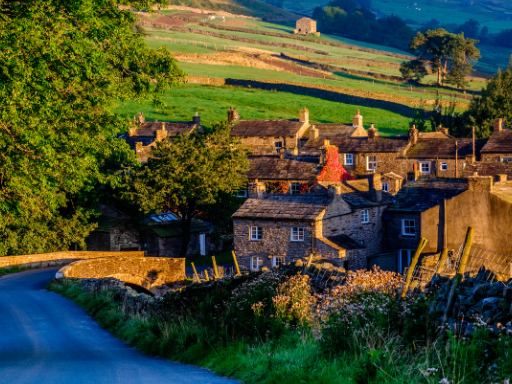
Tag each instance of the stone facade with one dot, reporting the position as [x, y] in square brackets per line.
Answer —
[306, 26]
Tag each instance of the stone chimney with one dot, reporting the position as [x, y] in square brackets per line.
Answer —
[304, 115]
[372, 132]
[281, 152]
[314, 133]
[443, 130]
[140, 119]
[502, 178]
[375, 187]
[414, 135]
[196, 119]
[357, 120]
[480, 183]
[161, 133]
[233, 115]
[498, 125]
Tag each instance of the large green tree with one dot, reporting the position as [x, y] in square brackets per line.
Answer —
[451, 56]
[189, 175]
[63, 63]
[494, 102]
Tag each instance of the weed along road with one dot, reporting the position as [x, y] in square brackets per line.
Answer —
[47, 339]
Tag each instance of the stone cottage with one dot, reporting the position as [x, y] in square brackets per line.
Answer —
[498, 148]
[264, 137]
[144, 135]
[341, 223]
[306, 26]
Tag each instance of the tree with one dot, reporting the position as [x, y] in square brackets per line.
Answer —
[448, 54]
[494, 102]
[63, 65]
[190, 174]
[413, 71]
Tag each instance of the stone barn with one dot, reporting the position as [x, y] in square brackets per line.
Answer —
[306, 26]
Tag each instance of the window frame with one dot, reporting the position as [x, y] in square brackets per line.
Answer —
[373, 162]
[299, 236]
[365, 216]
[404, 227]
[297, 191]
[255, 233]
[282, 261]
[443, 167]
[279, 147]
[427, 163]
[259, 263]
[346, 158]
[385, 186]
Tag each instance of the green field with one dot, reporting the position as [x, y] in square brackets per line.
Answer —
[212, 103]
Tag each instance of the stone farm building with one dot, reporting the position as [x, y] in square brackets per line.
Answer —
[306, 26]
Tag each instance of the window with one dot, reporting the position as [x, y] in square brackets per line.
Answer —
[242, 193]
[349, 159]
[408, 227]
[365, 216]
[297, 234]
[425, 168]
[277, 261]
[506, 159]
[278, 146]
[371, 163]
[256, 263]
[444, 166]
[385, 186]
[295, 188]
[256, 233]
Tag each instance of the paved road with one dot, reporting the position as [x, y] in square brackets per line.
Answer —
[47, 339]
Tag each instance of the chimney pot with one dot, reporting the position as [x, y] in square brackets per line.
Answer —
[304, 115]
[196, 119]
[502, 177]
[233, 115]
[357, 120]
[314, 133]
[498, 125]
[372, 132]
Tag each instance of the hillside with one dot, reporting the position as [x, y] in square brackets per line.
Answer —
[267, 61]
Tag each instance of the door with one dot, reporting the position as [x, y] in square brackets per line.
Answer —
[202, 244]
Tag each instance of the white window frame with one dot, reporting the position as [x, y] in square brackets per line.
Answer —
[295, 188]
[506, 159]
[255, 233]
[256, 263]
[444, 166]
[371, 165]
[348, 159]
[365, 216]
[428, 165]
[385, 186]
[406, 226]
[278, 261]
[297, 234]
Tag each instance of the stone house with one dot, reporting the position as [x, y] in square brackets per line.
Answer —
[341, 223]
[498, 148]
[144, 135]
[441, 211]
[306, 26]
[265, 137]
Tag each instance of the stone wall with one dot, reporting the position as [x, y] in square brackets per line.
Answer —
[59, 258]
[275, 240]
[266, 145]
[147, 272]
[386, 162]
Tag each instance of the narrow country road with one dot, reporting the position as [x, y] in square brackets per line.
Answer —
[47, 339]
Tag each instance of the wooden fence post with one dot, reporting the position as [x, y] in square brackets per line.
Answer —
[196, 275]
[412, 267]
[215, 269]
[235, 261]
[468, 241]
[442, 261]
[206, 276]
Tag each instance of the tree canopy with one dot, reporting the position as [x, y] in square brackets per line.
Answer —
[63, 63]
[189, 175]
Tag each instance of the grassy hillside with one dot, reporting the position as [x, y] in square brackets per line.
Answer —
[276, 72]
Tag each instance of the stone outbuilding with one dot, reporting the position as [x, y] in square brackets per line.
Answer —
[306, 26]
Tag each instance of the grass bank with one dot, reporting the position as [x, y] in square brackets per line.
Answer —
[259, 329]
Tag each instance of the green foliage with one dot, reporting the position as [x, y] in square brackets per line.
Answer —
[413, 71]
[494, 102]
[190, 174]
[59, 75]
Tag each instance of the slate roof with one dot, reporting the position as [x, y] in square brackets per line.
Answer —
[283, 207]
[488, 169]
[345, 242]
[434, 135]
[146, 132]
[357, 194]
[421, 195]
[443, 148]
[499, 142]
[366, 145]
[261, 128]
[275, 168]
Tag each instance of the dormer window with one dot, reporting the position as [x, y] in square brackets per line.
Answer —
[349, 159]
[371, 163]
